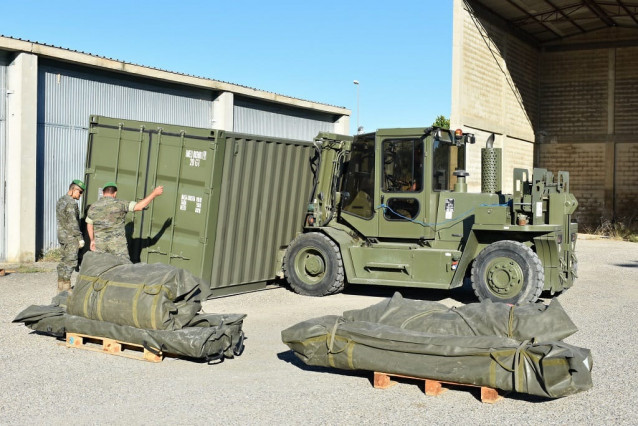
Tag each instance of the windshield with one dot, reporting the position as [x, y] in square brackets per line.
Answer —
[359, 179]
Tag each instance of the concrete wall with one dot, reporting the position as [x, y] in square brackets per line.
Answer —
[494, 90]
[589, 124]
[571, 105]
[20, 161]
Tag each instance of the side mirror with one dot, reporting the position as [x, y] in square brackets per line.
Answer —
[469, 138]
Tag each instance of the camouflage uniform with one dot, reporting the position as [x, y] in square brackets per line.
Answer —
[108, 216]
[69, 235]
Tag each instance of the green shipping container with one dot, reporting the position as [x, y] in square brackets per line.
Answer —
[231, 201]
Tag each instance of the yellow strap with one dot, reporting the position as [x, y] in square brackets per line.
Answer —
[350, 351]
[154, 311]
[510, 323]
[493, 374]
[100, 301]
[135, 302]
[86, 301]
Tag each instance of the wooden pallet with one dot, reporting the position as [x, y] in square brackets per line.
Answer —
[111, 346]
[434, 387]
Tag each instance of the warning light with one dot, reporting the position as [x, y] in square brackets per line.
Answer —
[458, 133]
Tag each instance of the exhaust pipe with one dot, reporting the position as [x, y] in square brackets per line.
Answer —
[491, 167]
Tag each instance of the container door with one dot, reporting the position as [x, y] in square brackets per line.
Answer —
[117, 151]
[178, 228]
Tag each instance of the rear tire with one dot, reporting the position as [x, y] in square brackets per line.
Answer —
[508, 272]
[313, 265]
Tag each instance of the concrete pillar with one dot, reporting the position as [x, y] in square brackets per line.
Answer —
[609, 207]
[342, 125]
[458, 18]
[21, 151]
[223, 116]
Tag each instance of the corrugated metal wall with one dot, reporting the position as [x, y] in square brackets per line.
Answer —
[264, 195]
[3, 131]
[67, 96]
[259, 118]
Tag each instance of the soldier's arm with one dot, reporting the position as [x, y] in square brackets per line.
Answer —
[89, 230]
[73, 217]
[140, 205]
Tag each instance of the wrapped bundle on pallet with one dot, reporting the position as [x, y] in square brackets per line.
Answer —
[487, 344]
[155, 306]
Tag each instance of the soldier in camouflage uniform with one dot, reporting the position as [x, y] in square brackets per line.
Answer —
[106, 219]
[69, 234]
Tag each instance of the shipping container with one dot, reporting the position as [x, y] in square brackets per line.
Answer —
[231, 201]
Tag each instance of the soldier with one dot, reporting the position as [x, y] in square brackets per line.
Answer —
[106, 217]
[69, 234]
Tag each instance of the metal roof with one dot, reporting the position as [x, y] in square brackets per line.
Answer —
[89, 59]
[548, 21]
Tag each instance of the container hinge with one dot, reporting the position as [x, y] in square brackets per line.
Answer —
[89, 170]
[203, 240]
[213, 146]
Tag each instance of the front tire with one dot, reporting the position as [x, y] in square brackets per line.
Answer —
[313, 265]
[508, 272]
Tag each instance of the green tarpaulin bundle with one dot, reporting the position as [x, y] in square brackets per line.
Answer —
[485, 344]
[150, 296]
[205, 336]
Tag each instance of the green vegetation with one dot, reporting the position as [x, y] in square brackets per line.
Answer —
[28, 269]
[441, 121]
[52, 255]
[625, 230]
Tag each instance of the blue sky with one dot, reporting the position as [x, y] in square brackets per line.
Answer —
[400, 51]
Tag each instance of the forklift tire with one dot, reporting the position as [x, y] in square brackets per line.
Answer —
[508, 272]
[313, 265]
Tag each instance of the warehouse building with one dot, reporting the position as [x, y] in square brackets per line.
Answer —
[48, 94]
[557, 82]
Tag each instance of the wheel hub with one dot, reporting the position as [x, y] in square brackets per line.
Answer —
[314, 265]
[504, 277]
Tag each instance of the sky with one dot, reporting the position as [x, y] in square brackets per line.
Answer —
[400, 51]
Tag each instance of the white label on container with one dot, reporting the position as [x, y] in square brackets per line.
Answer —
[539, 208]
[195, 157]
[185, 199]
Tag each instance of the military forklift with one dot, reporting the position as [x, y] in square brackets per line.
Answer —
[391, 208]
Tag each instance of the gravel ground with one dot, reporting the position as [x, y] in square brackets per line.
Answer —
[44, 382]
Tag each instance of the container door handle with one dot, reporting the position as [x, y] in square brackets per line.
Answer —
[156, 252]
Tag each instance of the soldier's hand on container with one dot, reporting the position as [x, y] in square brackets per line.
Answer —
[158, 191]
[92, 246]
[81, 244]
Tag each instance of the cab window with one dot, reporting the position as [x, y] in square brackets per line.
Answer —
[402, 165]
[359, 179]
[401, 209]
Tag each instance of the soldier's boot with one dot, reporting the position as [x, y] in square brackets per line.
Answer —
[66, 286]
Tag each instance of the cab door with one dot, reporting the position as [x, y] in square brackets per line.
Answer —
[402, 201]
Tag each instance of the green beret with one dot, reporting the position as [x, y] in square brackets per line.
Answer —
[79, 183]
[107, 184]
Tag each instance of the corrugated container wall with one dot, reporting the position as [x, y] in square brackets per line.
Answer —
[265, 191]
[278, 121]
[231, 201]
[3, 138]
[67, 96]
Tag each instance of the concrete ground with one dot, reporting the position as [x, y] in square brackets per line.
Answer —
[43, 382]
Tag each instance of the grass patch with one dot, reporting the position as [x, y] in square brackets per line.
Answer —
[623, 230]
[28, 269]
[52, 255]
